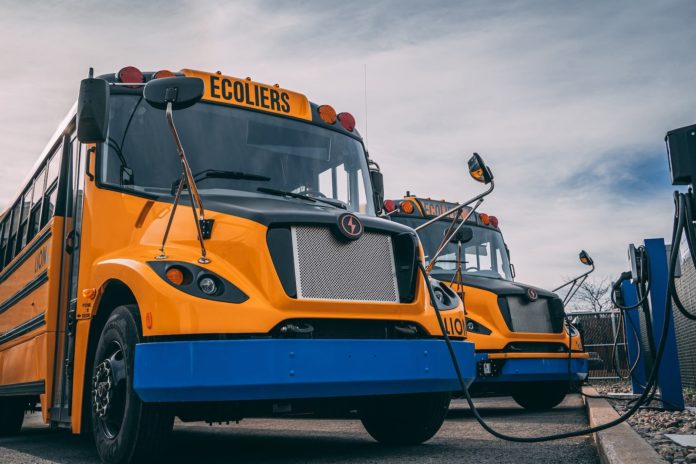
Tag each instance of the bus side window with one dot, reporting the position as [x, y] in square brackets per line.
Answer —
[14, 225]
[24, 219]
[49, 203]
[6, 237]
[35, 215]
[3, 242]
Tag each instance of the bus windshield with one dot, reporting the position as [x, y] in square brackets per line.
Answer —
[278, 153]
[485, 255]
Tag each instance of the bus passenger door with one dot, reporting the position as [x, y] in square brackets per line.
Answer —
[65, 332]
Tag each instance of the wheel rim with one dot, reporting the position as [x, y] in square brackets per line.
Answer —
[109, 390]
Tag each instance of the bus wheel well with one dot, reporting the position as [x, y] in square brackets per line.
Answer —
[115, 294]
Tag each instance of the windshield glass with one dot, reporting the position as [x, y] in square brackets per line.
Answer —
[281, 153]
[484, 255]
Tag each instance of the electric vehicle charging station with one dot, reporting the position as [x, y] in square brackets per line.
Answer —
[649, 286]
[645, 288]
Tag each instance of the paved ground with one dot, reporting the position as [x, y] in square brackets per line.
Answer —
[338, 441]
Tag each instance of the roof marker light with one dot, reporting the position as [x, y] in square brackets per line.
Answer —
[494, 221]
[389, 206]
[485, 219]
[327, 114]
[163, 73]
[130, 75]
[407, 207]
[347, 121]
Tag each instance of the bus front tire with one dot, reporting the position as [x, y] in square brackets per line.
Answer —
[125, 429]
[405, 419]
[11, 415]
[540, 396]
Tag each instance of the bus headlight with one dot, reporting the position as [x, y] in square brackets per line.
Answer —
[207, 285]
[474, 327]
[198, 281]
[445, 296]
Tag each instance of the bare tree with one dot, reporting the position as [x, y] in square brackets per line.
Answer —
[594, 295]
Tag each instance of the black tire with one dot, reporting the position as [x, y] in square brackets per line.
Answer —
[125, 429]
[540, 396]
[11, 415]
[405, 419]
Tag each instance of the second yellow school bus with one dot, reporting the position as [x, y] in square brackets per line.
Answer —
[526, 347]
[199, 246]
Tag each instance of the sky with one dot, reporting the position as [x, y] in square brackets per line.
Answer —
[568, 102]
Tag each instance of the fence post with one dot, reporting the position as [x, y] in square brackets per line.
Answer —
[632, 329]
[669, 375]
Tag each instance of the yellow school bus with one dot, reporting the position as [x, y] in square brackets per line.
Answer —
[520, 332]
[200, 246]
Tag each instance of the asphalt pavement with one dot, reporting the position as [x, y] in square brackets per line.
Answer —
[286, 441]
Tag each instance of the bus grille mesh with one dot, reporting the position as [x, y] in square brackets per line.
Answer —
[536, 316]
[330, 269]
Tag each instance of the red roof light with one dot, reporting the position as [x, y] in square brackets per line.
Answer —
[130, 75]
[347, 121]
[389, 206]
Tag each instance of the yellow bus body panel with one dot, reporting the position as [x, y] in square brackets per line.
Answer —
[30, 356]
[117, 246]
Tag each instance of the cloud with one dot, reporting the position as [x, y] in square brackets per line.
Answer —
[568, 102]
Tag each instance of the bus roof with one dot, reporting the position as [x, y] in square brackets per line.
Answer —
[250, 95]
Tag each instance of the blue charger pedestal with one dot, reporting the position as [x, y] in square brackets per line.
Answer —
[632, 332]
[669, 375]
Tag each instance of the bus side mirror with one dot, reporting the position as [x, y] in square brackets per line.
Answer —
[377, 180]
[585, 258]
[463, 235]
[93, 110]
[181, 92]
[478, 169]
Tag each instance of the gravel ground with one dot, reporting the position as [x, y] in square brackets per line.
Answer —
[460, 440]
[653, 424]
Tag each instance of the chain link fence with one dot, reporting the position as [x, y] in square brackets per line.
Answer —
[599, 331]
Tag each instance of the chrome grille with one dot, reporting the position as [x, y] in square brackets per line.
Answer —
[330, 269]
[531, 316]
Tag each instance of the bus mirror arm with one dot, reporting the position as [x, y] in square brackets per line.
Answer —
[196, 202]
[177, 93]
[447, 238]
[575, 284]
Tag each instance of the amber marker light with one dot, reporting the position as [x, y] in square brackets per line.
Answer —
[485, 219]
[175, 275]
[406, 206]
[327, 114]
[163, 73]
[89, 293]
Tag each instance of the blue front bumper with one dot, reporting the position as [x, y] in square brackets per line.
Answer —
[534, 370]
[277, 369]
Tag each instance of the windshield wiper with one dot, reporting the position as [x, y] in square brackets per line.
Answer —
[284, 193]
[217, 174]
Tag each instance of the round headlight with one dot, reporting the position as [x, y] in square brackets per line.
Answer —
[470, 326]
[439, 294]
[208, 285]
